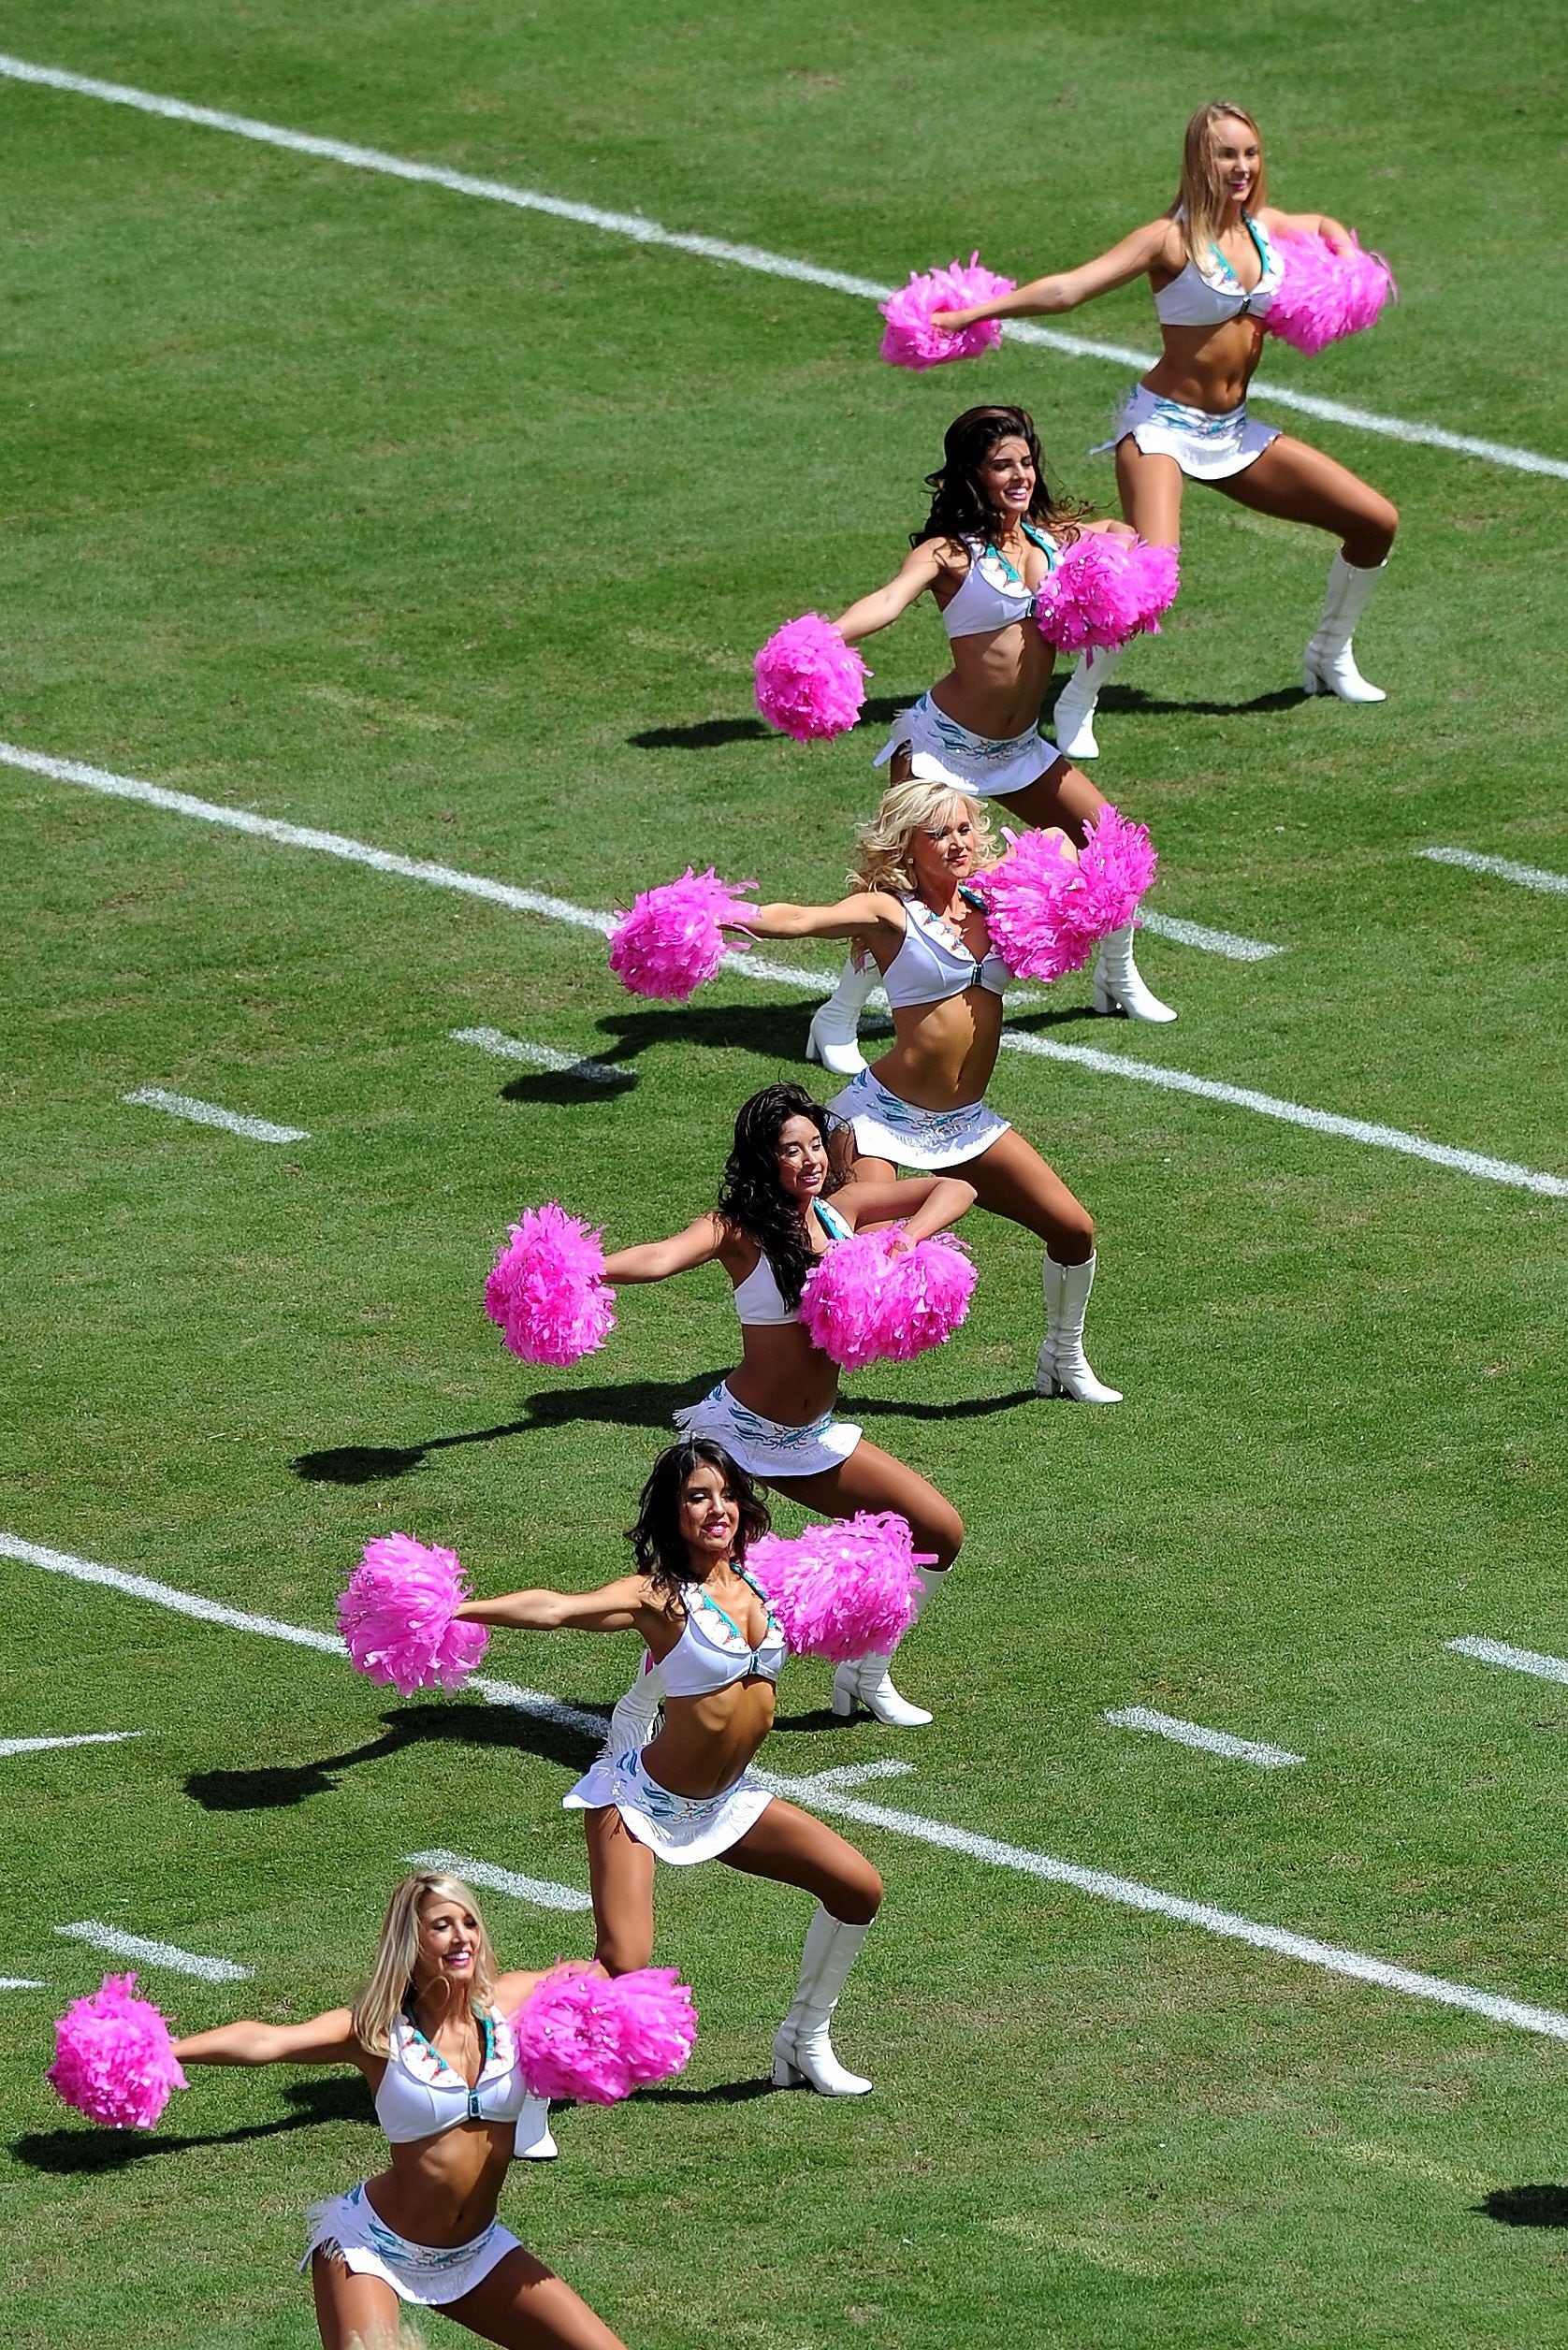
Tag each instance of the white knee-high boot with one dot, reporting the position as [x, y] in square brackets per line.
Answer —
[868, 1681]
[636, 1715]
[1120, 985]
[801, 2051]
[533, 2140]
[831, 1038]
[1330, 665]
[1074, 715]
[1061, 1367]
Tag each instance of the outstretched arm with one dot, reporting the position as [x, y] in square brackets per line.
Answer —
[855, 917]
[1278, 223]
[1045, 298]
[326, 2040]
[656, 1260]
[618, 1606]
[924, 1203]
[883, 605]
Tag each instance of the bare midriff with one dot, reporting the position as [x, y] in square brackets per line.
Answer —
[782, 1376]
[945, 1052]
[1208, 367]
[707, 1741]
[997, 682]
[443, 2190]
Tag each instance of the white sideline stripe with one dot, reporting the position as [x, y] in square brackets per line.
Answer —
[792, 975]
[1192, 1734]
[83, 1738]
[539, 1889]
[773, 265]
[143, 1587]
[1516, 1659]
[1221, 942]
[825, 1795]
[543, 1056]
[1528, 876]
[20, 1983]
[202, 1113]
[121, 1945]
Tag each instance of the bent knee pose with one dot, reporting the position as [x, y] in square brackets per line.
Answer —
[992, 534]
[431, 2033]
[1214, 273]
[923, 1105]
[685, 1793]
[774, 1413]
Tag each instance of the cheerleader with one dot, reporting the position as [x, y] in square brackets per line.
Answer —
[1213, 270]
[923, 1105]
[431, 2033]
[687, 1794]
[775, 1412]
[994, 531]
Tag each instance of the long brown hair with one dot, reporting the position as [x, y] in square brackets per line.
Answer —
[959, 509]
[1201, 198]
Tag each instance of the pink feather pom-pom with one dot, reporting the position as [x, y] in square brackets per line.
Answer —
[1047, 911]
[862, 1303]
[1105, 590]
[113, 2058]
[547, 1289]
[672, 941]
[811, 685]
[597, 2040]
[1323, 295]
[842, 1590]
[396, 1617]
[910, 340]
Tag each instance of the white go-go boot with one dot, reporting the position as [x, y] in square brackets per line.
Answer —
[801, 2051]
[1061, 1367]
[1329, 664]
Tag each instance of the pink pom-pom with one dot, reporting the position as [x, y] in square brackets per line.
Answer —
[1104, 590]
[1323, 295]
[864, 1304]
[811, 685]
[547, 1291]
[395, 1617]
[910, 340]
[1047, 911]
[842, 1590]
[671, 942]
[597, 2040]
[113, 2057]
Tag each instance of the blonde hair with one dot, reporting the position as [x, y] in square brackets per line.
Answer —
[882, 858]
[1201, 198]
[381, 2002]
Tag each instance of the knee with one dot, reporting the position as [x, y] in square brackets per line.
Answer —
[1073, 1241]
[623, 1954]
[946, 1537]
[857, 1901]
[1375, 537]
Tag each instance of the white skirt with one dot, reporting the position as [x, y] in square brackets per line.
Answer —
[886, 1128]
[942, 751]
[345, 2228]
[1207, 447]
[684, 1829]
[769, 1449]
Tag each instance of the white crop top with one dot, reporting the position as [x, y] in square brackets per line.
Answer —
[757, 1298]
[713, 1656]
[990, 594]
[933, 964]
[1194, 299]
[420, 2094]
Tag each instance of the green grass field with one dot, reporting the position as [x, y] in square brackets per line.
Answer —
[452, 528]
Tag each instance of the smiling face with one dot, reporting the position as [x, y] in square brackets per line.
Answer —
[942, 851]
[708, 1517]
[449, 1942]
[801, 1157]
[1006, 478]
[1236, 159]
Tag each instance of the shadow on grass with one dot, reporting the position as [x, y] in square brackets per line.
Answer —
[273, 1786]
[722, 2092]
[1131, 699]
[1526, 2207]
[714, 733]
[64, 2152]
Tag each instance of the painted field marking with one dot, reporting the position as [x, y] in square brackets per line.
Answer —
[1192, 1734]
[543, 1056]
[202, 1113]
[21, 1983]
[83, 1738]
[1528, 876]
[643, 231]
[538, 1889]
[1228, 943]
[824, 1795]
[1325, 1122]
[1515, 1659]
[122, 1945]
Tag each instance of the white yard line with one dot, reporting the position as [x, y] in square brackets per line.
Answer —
[1325, 1122]
[1192, 1734]
[755, 257]
[537, 1890]
[541, 1056]
[203, 1113]
[83, 1739]
[830, 1791]
[1228, 943]
[122, 1945]
[1528, 876]
[1515, 1659]
[21, 1983]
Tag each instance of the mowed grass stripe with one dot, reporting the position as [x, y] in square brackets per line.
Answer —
[650, 232]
